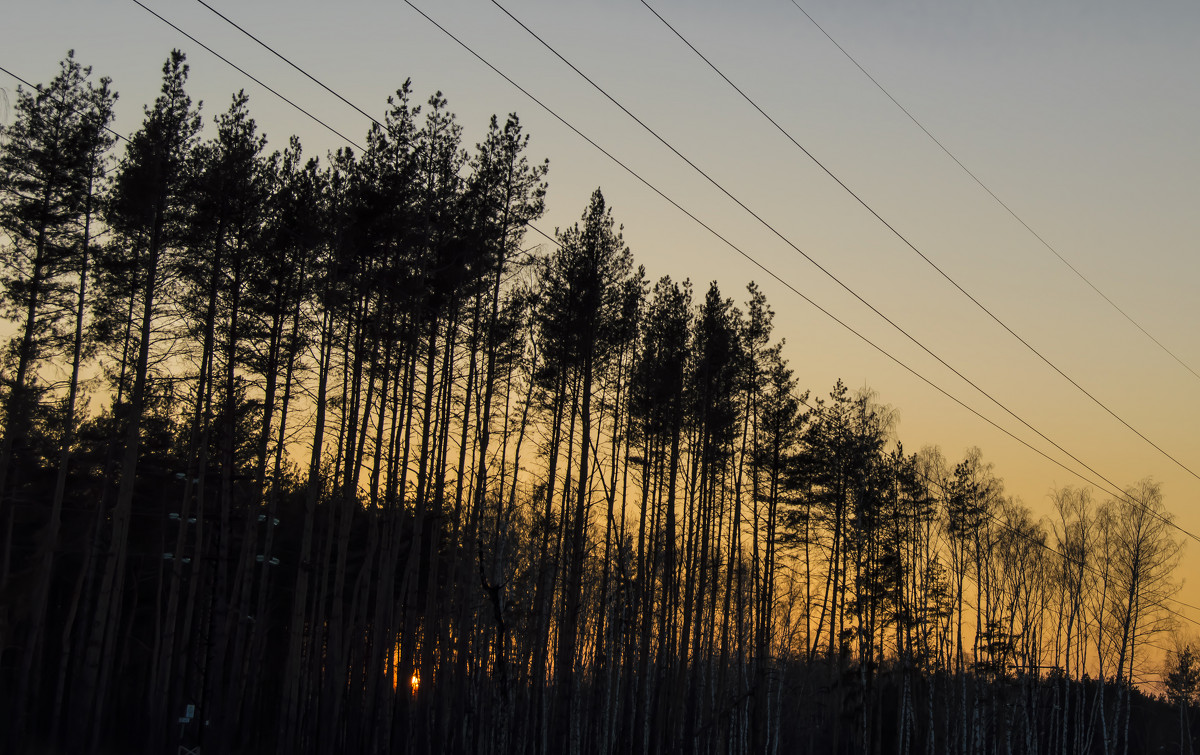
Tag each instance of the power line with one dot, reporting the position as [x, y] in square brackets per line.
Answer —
[1114, 489]
[655, 190]
[248, 75]
[1084, 564]
[748, 257]
[39, 89]
[902, 238]
[993, 195]
[312, 78]
[751, 259]
[1054, 551]
[270, 49]
[702, 224]
[793, 140]
[802, 253]
[103, 171]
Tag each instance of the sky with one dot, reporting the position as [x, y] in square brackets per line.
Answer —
[1080, 116]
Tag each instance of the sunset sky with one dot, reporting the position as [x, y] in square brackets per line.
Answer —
[1081, 116]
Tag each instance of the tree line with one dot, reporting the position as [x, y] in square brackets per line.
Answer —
[327, 455]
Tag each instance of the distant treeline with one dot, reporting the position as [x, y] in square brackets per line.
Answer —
[335, 456]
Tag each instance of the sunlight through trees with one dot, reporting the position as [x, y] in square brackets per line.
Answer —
[330, 452]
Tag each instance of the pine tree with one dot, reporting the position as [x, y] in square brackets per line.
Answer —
[51, 170]
[47, 171]
[658, 406]
[583, 287]
[147, 212]
[1181, 678]
[227, 192]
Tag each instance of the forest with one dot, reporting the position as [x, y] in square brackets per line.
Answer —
[337, 455]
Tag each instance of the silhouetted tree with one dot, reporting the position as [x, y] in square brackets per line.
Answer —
[51, 168]
[370, 470]
[147, 212]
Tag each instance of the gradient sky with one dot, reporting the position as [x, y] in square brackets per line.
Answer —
[1082, 116]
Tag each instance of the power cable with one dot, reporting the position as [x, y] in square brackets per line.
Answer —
[802, 253]
[553, 240]
[634, 174]
[1113, 490]
[992, 194]
[766, 270]
[245, 73]
[38, 89]
[102, 172]
[270, 49]
[1042, 544]
[309, 76]
[1082, 564]
[897, 234]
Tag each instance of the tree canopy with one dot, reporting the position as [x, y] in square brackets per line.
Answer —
[316, 455]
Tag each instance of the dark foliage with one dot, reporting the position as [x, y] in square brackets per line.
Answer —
[357, 472]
